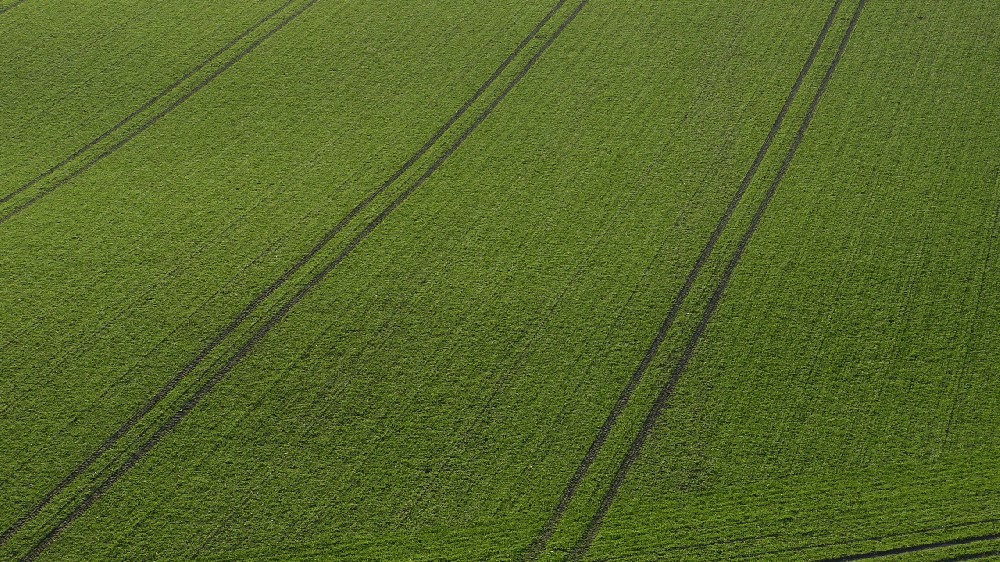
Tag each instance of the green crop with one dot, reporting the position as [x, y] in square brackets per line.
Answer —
[375, 279]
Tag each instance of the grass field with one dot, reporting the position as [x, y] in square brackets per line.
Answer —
[560, 280]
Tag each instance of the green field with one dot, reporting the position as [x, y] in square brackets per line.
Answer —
[555, 280]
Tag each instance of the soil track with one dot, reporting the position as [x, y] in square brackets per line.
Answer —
[799, 551]
[265, 329]
[536, 548]
[17, 525]
[137, 417]
[260, 298]
[667, 391]
[12, 6]
[154, 119]
[921, 548]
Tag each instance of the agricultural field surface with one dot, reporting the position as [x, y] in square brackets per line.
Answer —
[547, 280]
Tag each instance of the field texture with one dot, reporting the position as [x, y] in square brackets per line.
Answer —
[451, 280]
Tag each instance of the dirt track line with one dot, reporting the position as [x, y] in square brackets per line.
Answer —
[994, 554]
[12, 6]
[141, 108]
[249, 309]
[667, 391]
[260, 298]
[801, 549]
[207, 61]
[156, 118]
[264, 330]
[916, 548]
[540, 542]
[17, 525]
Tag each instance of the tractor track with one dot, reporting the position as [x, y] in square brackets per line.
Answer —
[540, 542]
[166, 91]
[155, 118]
[800, 550]
[6, 9]
[920, 548]
[199, 394]
[288, 274]
[667, 391]
[6, 535]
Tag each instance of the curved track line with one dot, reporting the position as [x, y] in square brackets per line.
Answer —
[541, 541]
[583, 545]
[12, 6]
[156, 118]
[994, 554]
[918, 548]
[143, 107]
[800, 550]
[264, 330]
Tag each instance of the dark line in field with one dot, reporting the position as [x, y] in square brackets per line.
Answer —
[250, 308]
[156, 118]
[12, 6]
[915, 548]
[540, 542]
[264, 330]
[260, 298]
[991, 554]
[17, 525]
[143, 107]
[667, 391]
[361, 206]
[880, 538]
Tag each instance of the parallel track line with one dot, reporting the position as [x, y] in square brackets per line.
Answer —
[541, 541]
[69, 479]
[264, 330]
[260, 298]
[128, 118]
[649, 424]
[156, 118]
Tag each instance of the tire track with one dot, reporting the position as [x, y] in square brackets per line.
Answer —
[69, 159]
[421, 151]
[6, 9]
[285, 309]
[244, 314]
[917, 548]
[540, 542]
[583, 545]
[154, 119]
[994, 554]
[800, 550]
[17, 525]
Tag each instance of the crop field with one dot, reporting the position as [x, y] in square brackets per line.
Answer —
[451, 280]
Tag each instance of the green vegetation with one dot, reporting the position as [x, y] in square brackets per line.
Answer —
[221, 339]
